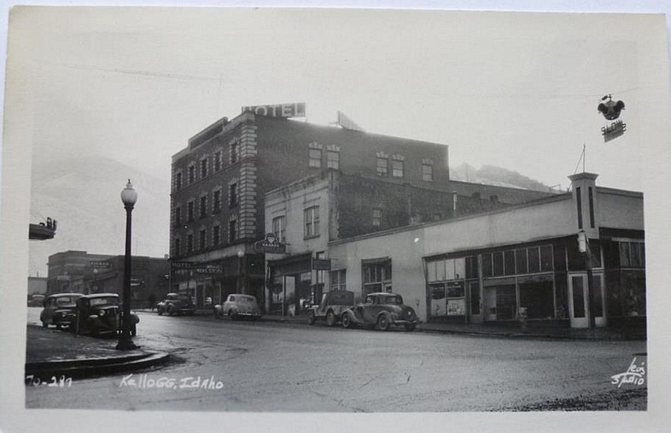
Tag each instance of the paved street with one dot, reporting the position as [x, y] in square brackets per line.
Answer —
[291, 367]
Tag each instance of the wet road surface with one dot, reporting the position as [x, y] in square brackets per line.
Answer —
[265, 366]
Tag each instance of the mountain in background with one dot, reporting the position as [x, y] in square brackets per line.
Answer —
[493, 175]
[83, 195]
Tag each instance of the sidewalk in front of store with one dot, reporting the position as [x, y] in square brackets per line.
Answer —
[531, 331]
[51, 353]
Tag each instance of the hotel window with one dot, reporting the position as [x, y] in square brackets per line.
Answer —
[177, 247]
[382, 166]
[338, 279]
[178, 180]
[397, 165]
[203, 237]
[216, 235]
[279, 227]
[232, 230]
[216, 201]
[203, 206]
[192, 174]
[377, 217]
[217, 161]
[427, 171]
[189, 243]
[203, 168]
[333, 157]
[235, 152]
[233, 194]
[315, 156]
[178, 216]
[311, 216]
[189, 211]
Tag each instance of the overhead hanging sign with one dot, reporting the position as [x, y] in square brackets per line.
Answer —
[296, 109]
[616, 129]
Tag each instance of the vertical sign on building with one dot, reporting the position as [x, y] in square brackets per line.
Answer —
[611, 111]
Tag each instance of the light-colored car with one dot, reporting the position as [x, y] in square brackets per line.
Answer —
[237, 306]
[59, 309]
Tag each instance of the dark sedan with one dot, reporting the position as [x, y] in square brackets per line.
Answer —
[59, 309]
[101, 314]
[383, 310]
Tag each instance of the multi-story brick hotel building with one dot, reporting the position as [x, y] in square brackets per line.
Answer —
[219, 181]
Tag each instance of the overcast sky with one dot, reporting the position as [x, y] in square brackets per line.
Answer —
[519, 92]
[515, 90]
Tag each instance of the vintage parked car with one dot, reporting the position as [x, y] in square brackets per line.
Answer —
[237, 306]
[382, 310]
[331, 307]
[176, 303]
[101, 314]
[35, 300]
[59, 309]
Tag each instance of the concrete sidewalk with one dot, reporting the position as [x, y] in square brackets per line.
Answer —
[534, 331]
[52, 353]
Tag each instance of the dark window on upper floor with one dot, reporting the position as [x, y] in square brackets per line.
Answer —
[178, 180]
[235, 152]
[216, 235]
[203, 168]
[377, 217]
[203, 206]
[189, 243]
[202, 239]
[217, 161]
[216, 201]
[233, 194]
[192, 174]
[178, 216]
[382, 166]
[232, 230]
[177, 247]
[189, 211]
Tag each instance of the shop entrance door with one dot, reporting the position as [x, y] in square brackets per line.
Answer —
[579, 300]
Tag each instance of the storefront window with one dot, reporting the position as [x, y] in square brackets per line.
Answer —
[498, 263]
[509, 262]
[546, 258]
[487, 266]
[521, 261]
[472, 267]
[534, 260]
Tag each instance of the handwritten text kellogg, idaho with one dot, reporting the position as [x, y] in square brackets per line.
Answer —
[143, 381]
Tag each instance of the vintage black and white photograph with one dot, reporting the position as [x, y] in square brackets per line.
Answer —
[317, 211]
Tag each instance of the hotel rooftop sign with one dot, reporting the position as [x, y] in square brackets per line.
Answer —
[296, 109]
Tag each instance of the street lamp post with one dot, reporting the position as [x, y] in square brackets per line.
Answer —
[241, 268]
[128, 197]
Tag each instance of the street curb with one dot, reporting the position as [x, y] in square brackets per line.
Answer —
[95, 367]
[476, 333]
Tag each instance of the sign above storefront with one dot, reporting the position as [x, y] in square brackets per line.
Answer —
[212, 270]
[321, 264]
[99, 264]
[270, 245]
[296, 109]
[181, 265]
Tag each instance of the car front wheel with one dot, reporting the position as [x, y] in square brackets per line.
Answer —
[311, 318]
[159, 310]
[346, 321]
[133, 331]
[383, 323]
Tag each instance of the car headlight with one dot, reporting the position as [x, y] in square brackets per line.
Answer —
[101, 313]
